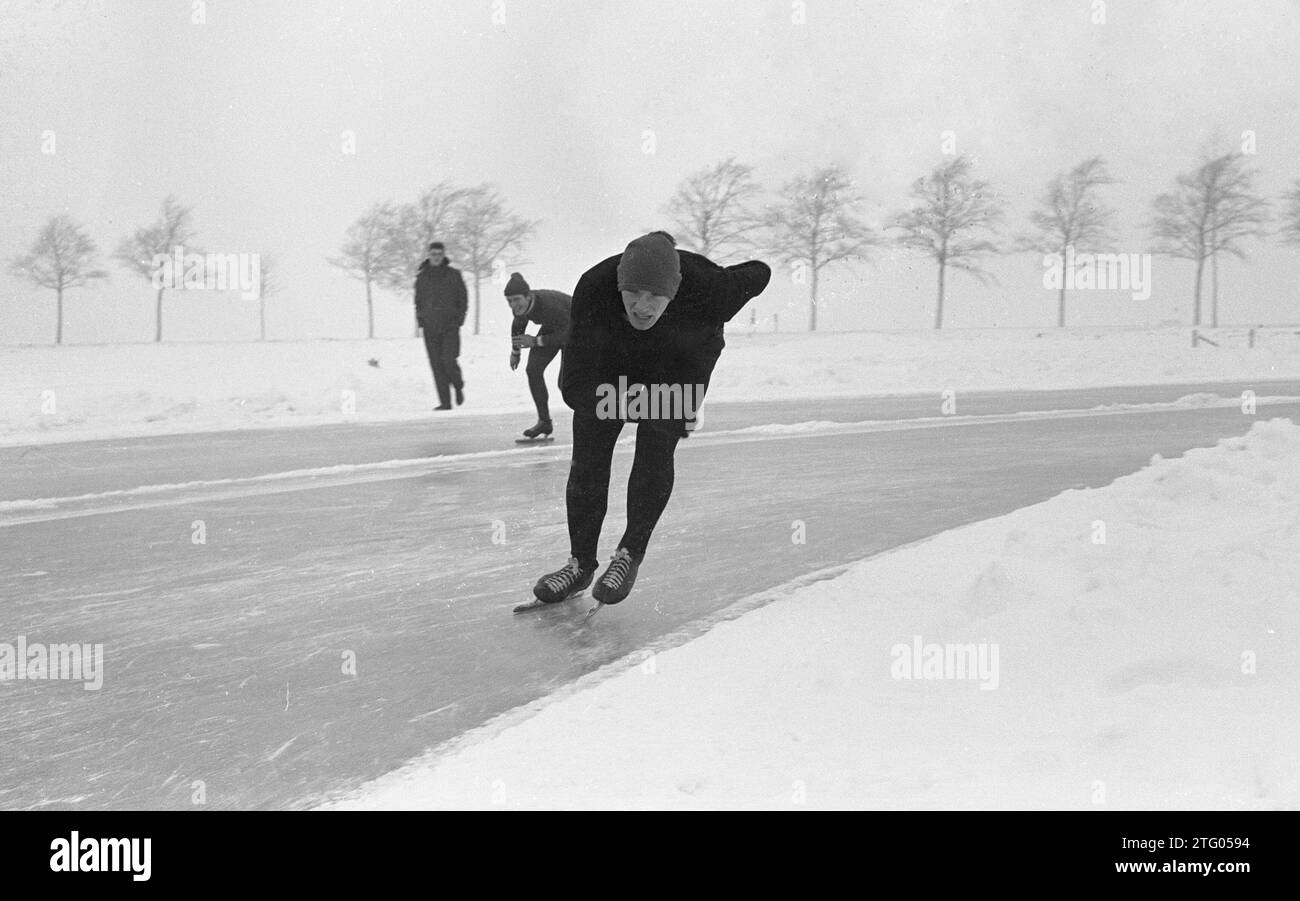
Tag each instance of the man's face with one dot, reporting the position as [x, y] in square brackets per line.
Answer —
[518, 303]
[643, 308]
[435, 256]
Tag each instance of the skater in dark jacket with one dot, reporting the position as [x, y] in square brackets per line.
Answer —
[440, 306]
[645, 332]
[550, 310]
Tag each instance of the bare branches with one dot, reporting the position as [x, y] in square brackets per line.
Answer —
[485, 232]
[953, 209]
[369, 249]
[1071, 215]
[1211, 210]
[376, 252]
[62, 257]
[712, 212]
[816, 223]
[429, 218]
[174, 227]
[1290, 232]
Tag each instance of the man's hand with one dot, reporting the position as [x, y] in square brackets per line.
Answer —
[514, 359]
[524, 341]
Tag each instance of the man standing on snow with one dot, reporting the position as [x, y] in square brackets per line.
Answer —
[440, 306]
[550, 309]
[648, 321]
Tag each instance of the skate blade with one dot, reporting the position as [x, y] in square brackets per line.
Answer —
[535, 604]
[547, 440]
[593, 611]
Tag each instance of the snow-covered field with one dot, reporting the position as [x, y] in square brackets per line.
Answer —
[1133, 646]
[88, 391]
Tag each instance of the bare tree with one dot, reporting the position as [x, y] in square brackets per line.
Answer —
[173, 228]
[1211, 210]
[1071, 215]
[1291, 218]
[816, 223]
[953, 209]
[62, 257]
[712, 209]
[484, 232]
[371, 254]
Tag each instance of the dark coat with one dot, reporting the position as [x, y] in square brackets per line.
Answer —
[680, 348]
[551, 311]
[440, 297]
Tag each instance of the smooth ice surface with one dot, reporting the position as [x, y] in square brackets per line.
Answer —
[1155, 668]
[224, 659]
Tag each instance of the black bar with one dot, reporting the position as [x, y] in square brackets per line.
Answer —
[330, 850]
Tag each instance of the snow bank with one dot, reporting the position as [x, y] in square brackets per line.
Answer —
[1132, 646]
[83, 391]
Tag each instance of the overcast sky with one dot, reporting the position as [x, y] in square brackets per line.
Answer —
[242, 118]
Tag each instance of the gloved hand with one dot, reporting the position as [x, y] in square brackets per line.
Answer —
[524, 341]
[514, 359]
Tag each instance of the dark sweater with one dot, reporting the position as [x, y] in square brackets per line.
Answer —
[441, 300]
[551, 311]
[680, 348]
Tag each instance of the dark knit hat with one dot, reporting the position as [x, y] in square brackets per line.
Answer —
[516, 285]
[650, 263]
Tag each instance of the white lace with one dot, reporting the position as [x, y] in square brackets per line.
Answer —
[564, 577]
[618, 569]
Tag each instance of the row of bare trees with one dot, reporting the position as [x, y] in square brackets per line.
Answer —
[815, 221]
[384, 247]
[64, 256]
[954, 219]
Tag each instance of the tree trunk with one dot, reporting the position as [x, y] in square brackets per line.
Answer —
[1214, 276]
[1214, 290]
[476, 301]
[261, 318]
[157, 318]
[370, 312]
[938, 309]
[812, 302]
[58, 331]
[1196, 308]
[1060, 305]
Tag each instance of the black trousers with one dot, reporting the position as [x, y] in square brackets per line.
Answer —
[538, 359]
[443, 349]
[648, 487]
